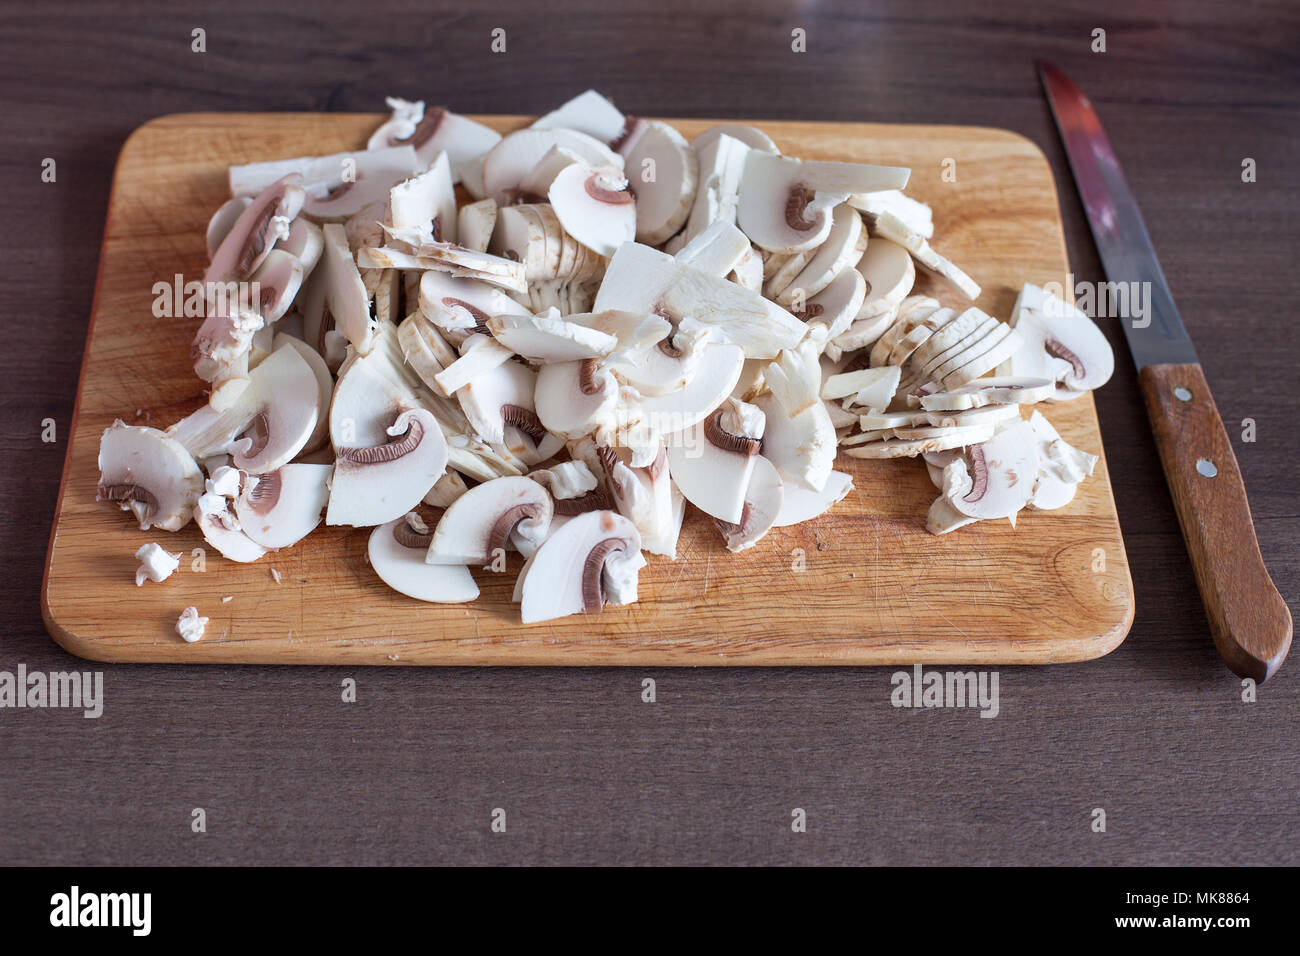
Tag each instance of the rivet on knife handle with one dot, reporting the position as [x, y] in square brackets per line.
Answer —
[1250, 622]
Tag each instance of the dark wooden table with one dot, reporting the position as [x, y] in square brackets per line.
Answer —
[1157, 733]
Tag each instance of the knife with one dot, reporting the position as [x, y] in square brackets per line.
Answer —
[1250, 622]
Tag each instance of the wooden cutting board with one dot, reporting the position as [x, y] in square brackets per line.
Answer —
[864, 584]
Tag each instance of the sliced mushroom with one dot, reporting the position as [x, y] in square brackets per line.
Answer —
[435, 130]
[785, 204]
[595, 206]
[890, 275]
[549, 338]
[643, 495]
[396, 551]
[268, 424]
[575, 398]
[475, 223]
[223, 220]
[800, 438]
[375, 484]
[324, 385]
[720, 168]
[871, 388]
[763, 499]
[718, 250]
[1060, 466]
[280, 508]
[996, 477]
[423, 208]
[305, 242]
[843, 248]
[891, 227]
[476, 527]
[345, 298]
[644, 280]
[799, 504]
[149, 474]
[836, 306]
[1003, 390]
[712, 461]
[276, 281]
[589, 113]
[750, 136]
[231, 542]
[463, 305]
[662, 172]
[510, 160]
[1060, 342]
[917, 216]
[574, 567]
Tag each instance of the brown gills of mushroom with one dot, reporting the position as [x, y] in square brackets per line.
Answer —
[525, 420]
[588, 383]
[1057, 350]
[979, 473]
[614, 197]
[478, 315]
[424, 130]
[253, 248]
[500, 533]
[265, 495]
[408, 537]
[593, 591]
[814, 309]
[795, 205]
[719, 437]
[727, 528]
[629, 124]
[258, 434]
[402, 445]
[123, 493]
[591, 501]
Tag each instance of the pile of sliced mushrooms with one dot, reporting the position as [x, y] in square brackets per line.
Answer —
[614, 325]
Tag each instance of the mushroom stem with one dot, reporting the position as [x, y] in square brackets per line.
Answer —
[719, 437]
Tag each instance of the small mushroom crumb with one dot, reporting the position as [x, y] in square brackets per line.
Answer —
[190, 626]
[276, 575]
[416, 523]
[157, 564]
[227, 599]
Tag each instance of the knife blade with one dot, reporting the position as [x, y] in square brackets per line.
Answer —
[1249, 621]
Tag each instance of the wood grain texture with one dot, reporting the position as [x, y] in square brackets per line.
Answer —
[1156, 733]
[1248, 618]
[865, 584]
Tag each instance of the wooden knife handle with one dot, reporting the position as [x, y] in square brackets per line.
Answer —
[1250, 622]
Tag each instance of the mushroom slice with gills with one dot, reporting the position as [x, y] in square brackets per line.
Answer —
[424, 206]
[780, 269]
[943, 517]
[891, 227]
[320, 432]
[549, 338]
[589, 113]
[305, 243]
[574, 567]
[396, 552]
[475, 223]
[836, 306]
[268, 423]
[510, 160]
[663, 172]
[375, 484]
[785, 204]
[476, 527]
[890, 275]
[711, 461]
[864, 332]
[446, 257]
[799, 504]
[459, 304]
[250, 238]
[719, 249]
[644, 280]
[534, 186]
[360, 180]
[319, 173]
[995, 478]
[574, 398]
[231, 542]
[633, 331]
[1001, 390]
[709, 384]
[432, 131]
[501, 399]
[148, 474]
[763, 500]
[594, 206]
[800, 437]
[748, 135]
[1060, 342]
[717, 192]
[345, 296]
[842, 250]
[917, 216]
[223, 220]
[644, 496]
[280, 508]
[276, 282]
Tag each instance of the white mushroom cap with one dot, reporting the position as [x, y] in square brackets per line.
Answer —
[763, 499]
[375, 484]
[280, 508]
[479, 523]
[223, 220]
[147, 473]
[785, 204]
[595, 206]
[461, 304]
[662, 173]
[231, 542]
[573, 568]
[512, 159]
[1061, 342]
[752, 137]
[396, 552]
